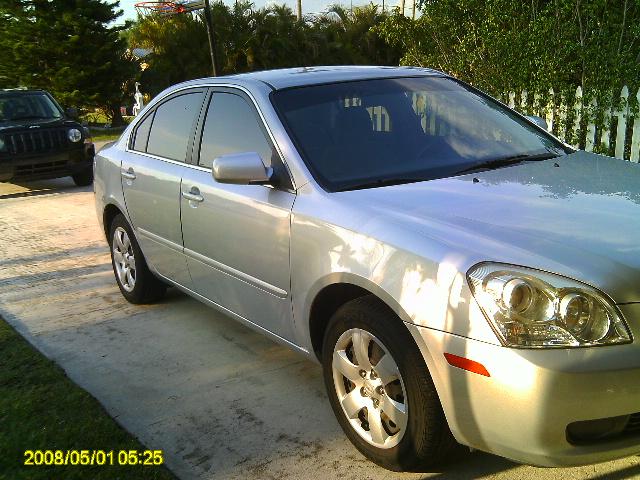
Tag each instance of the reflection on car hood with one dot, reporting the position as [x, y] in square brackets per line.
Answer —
[578, 215]
[21, 125]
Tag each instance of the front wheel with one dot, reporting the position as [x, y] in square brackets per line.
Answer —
[380, 388]
[136, 282]
[84, 178]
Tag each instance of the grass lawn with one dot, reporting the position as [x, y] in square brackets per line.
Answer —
[106, 134]
[41, 409]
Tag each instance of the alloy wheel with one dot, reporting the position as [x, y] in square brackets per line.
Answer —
[370, 388]
[124, 259]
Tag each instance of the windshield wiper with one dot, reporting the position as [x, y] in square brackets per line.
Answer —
[383, 182]
[505, 161]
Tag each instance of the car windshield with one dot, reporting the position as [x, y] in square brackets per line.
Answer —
[378, 132]
[27, 106]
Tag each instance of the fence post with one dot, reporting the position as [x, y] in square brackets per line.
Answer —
[523, 102]
[606, 125]
[622, 122]
[635, 139]
[562, 119]
[591, 127]
[512, 100]
[550, 110]
[577, 108]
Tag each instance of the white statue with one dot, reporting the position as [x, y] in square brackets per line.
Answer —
[139, 104]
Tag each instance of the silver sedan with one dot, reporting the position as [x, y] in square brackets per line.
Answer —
[462, 276]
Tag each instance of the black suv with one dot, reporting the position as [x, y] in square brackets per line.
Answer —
[38, 140]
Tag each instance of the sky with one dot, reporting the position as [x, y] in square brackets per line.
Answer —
[308, 6]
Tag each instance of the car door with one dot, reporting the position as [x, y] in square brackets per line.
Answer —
[151, 175]
[236, 237]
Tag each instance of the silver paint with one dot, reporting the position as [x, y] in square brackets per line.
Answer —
[241, 168]
[263, 255]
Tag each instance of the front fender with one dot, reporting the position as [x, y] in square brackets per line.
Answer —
[427, 290]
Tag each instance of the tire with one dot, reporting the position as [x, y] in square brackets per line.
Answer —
[419, 439]
[84, 178]
[139, 285]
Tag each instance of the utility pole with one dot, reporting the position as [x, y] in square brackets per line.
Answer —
[402, 7]
[299, 10]
[413, 14]
[212, 41]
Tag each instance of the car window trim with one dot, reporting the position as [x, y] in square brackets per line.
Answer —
[169, 160]
[194, 147]
[211, 86]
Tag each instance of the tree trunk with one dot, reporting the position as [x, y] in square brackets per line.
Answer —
[116, 116]
[624, 21]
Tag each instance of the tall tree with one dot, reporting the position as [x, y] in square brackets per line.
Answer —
[69, 47]
[250, 39]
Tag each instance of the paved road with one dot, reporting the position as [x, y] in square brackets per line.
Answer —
[221, 401]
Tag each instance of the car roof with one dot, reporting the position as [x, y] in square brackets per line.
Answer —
[302, 76]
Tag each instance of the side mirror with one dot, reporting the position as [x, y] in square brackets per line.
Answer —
[541, 122]
[241, 169]
[72, 113]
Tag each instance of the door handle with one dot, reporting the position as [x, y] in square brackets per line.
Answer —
[129, 174]
[193, 195]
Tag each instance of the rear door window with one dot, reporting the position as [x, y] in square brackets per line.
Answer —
[172, 126]
[142, 134]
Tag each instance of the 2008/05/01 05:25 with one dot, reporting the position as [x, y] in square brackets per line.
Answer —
[93, 457]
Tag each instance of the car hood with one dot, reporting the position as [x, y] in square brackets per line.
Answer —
[21, 125]
[578, 215]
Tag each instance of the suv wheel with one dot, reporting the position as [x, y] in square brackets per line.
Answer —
[83, 178]
[137, 283]
[380, 388]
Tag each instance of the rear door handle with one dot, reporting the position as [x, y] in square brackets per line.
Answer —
[129, 174]
[193, 195]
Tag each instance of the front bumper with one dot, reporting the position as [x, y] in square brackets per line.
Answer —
[36, 166]
[523, 409]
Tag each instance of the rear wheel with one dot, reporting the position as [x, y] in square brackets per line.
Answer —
[380, 388]
[136, 282]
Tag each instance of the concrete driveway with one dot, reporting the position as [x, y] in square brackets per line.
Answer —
[220, 400]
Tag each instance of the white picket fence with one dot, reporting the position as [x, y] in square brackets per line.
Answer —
[605, 125]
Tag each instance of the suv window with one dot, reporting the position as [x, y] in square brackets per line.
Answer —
[231, 126]
[19, 106]
[172, 126]
[142, 134]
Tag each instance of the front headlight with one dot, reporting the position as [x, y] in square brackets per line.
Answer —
[74, 135]
[530, 308]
